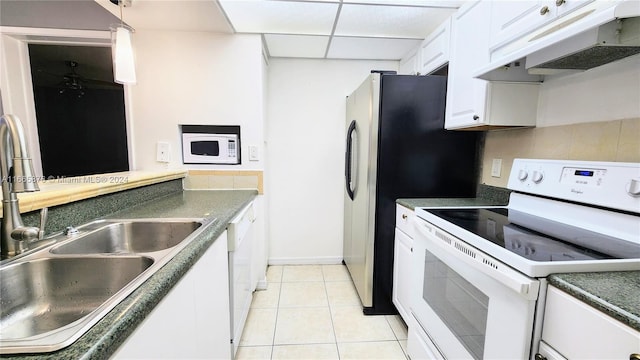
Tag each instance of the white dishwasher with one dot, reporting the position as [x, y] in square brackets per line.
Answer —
[240, 237]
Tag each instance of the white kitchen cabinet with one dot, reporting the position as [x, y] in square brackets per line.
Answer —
[402, 262]
[475, 103]
[192, 321]
[434, 50]
[575, 330]
[513, 19]
[259, 251]
[409, 63]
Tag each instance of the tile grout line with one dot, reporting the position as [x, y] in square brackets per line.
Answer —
[275, 327]
[335, 337]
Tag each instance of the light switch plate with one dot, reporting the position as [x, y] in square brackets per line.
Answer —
[163, 149]
[254, 154]
[496, 167]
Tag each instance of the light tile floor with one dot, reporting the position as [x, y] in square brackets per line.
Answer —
[313, 312]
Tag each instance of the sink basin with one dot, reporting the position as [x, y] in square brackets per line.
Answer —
[53, 295]
[130, 237]
[46, 294]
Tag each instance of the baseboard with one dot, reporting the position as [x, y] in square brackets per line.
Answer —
[262, 284]
[325, 260]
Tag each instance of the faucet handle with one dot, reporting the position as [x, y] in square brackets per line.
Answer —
[44, 212]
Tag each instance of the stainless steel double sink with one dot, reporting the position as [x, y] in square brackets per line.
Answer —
[52, 296]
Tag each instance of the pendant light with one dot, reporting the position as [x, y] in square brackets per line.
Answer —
[124, 71]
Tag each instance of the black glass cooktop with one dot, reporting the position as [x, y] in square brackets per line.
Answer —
[558, 242]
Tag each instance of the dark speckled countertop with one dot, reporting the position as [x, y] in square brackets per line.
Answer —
[104, 338]
[617, 294]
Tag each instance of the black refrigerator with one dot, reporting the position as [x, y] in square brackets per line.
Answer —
[396, 147]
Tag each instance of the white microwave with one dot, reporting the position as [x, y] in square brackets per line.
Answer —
[203, 148]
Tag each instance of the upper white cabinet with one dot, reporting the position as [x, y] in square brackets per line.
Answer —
[476, 103]
[575, 330]
[469, 51]
[513, 19]
[409, 63]
[434, 50]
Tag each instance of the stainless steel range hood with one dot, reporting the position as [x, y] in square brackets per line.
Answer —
[595, 35]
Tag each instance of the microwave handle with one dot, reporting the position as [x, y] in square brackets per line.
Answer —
[524, 286]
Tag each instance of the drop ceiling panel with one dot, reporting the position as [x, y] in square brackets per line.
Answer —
[298, 46]
[389, 21]
[369, 48]
[281, 17]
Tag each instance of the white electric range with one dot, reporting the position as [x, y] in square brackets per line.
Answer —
[483, 270]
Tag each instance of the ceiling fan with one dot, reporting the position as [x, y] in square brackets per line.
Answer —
[72, 81]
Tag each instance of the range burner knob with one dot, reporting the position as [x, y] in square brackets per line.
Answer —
[537, 177]
[633, 187]
[522, 175]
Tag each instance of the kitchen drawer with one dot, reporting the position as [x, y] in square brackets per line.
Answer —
[578, 331]
[404, 221]
[419, 345]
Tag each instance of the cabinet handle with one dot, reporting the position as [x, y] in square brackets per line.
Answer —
[404, 216]
[476, 117]
[560, 2]
[540, 357]
[634, 357]
[544, 10]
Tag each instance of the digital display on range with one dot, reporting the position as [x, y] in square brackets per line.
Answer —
[583, 173]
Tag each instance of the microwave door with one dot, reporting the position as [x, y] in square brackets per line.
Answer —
[205, 148]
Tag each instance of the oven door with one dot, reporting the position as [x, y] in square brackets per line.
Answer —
[470, 305]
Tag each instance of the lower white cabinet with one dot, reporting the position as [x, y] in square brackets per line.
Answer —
[575, 330]
[401, 273]
[192, 321]
[402, 262]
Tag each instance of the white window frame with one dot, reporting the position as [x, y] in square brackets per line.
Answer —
[16, 89]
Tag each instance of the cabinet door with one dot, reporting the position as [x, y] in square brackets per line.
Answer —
[578, 331]
[567, 6]
[192, 320]
[402, 274]
[469, 51]
[512, 19]
[434, 50]
[409, 63]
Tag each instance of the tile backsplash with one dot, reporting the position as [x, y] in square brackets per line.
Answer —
[617, 140]
[224, 180]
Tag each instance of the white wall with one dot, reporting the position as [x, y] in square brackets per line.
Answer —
[608, 92]
[195, 78]
[305, 133]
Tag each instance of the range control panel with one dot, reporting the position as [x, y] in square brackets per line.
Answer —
[613, 185]
[582, 176]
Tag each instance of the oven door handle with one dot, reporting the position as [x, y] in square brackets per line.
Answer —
[524, 286]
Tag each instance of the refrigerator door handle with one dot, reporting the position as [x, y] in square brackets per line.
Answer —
[349, 174]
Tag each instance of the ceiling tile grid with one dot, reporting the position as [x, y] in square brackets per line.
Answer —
[338, 29]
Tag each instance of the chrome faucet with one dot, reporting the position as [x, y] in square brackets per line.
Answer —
[17, 175]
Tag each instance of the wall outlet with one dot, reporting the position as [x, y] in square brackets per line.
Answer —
[496, 167]
[254, 153]
[163, 150]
